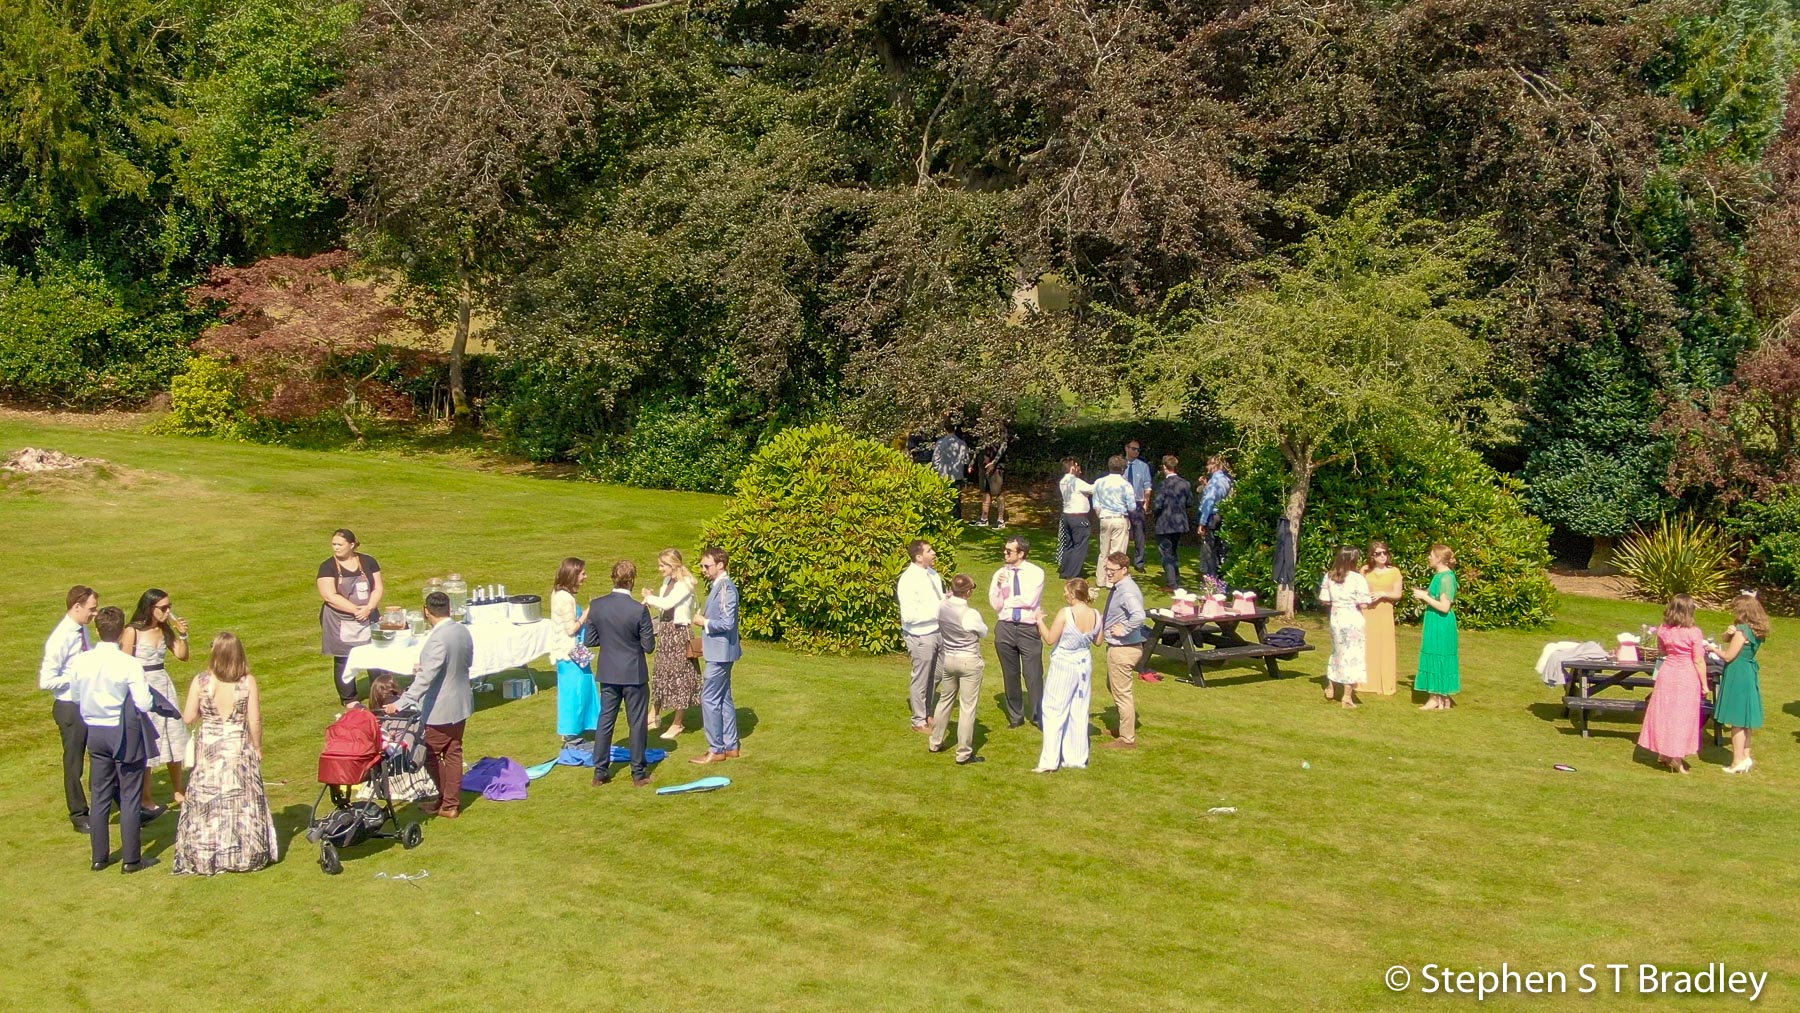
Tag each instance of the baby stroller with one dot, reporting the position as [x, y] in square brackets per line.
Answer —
[363, 749]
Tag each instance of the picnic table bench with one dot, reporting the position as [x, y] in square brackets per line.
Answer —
[1589, 677]
[1214, 640]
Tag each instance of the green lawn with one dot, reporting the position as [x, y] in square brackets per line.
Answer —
[846, 867]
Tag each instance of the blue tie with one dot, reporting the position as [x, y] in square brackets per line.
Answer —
[1018, 614]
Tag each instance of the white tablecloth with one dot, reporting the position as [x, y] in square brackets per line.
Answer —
[499, 647]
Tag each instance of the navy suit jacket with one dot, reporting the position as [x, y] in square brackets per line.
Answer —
[618, 627]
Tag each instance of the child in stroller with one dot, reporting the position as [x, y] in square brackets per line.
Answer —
[364, 758]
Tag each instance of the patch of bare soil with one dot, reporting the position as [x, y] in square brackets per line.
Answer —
[33, 470]
[84, 420]
[1572, 581]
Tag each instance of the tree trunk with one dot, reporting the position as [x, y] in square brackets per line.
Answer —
[459, 345]
[1300, 472]
[1600, 560]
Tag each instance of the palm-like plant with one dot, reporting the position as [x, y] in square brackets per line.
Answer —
[1681, 556]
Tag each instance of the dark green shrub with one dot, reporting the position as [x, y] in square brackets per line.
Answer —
[1038, 453]
[694, 447]
[68, 338]
[817, 534]
[1438, 492]
[1770, 533]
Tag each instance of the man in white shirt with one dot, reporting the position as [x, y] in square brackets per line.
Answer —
[960, 630]
[920, 591]
[950, 459]
[1114, 500]
[1017, 596]
[103, 678]
[66, 642]
[1072, 543]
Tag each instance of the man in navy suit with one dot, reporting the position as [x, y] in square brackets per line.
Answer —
[718, 711]
[618, 628]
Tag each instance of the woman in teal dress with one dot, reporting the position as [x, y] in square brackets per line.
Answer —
[1438, 674]
[1740, 696]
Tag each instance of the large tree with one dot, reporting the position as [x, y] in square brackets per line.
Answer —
[1363, 335]
[447, 127]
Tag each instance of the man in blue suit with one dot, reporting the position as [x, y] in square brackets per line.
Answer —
[719, 640]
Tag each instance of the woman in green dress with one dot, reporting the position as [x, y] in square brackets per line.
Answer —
[1740, 697]
[1438, 674]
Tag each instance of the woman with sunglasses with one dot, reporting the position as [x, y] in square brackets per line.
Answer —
[154, 633]
[1385, 586]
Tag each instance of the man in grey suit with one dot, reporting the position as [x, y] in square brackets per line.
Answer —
[441, 690]
[618, 628]
[718, 711]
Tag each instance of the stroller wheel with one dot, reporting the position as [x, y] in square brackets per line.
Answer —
[412, 836]
[328, 859]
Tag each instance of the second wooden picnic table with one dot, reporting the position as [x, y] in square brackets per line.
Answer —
[1203, 640]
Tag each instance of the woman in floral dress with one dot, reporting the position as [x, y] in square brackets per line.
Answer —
[225, 825]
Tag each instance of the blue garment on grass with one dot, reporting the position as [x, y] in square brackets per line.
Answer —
[577, 756]
[704, 784]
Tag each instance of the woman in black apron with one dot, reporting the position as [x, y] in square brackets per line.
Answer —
[350, 584]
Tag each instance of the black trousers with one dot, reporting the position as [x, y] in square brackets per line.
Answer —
[74, 742]
[1077, 532]
[1169, 547]
[1021, 652]
[1136, 519]
[116, 786]
[1212, 553]
[637, 703]
[346, 686]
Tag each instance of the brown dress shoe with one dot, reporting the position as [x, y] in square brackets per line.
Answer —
[1118, 744]
[705, 758]
[640, 782]
[731, 754]
[448, 814]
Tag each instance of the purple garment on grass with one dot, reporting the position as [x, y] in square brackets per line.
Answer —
[499, 779]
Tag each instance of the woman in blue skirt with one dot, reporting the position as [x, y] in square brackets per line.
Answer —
[577, 699]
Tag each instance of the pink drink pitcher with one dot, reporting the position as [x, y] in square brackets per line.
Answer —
[1214, 607]
[1186, 605]
[1628, 649]
[1245, 603]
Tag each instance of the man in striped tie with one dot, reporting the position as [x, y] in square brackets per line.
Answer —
[1016, 595]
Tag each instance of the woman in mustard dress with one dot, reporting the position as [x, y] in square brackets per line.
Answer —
[1385, 585]
[1439, 675]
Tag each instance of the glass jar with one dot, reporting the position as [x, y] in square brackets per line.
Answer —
[457, 590]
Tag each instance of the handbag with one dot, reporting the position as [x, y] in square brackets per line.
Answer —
[696, 647]
[582, 655]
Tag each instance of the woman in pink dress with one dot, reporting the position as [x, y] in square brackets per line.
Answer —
[1672, 724]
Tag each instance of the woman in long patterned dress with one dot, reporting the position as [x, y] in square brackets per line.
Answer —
[1740, 697]
[153, 634]
[577, 698]
[1439, 675]
[225, 825]
[1386, 584]
[1068, 685]
[1672, 721]
[1345, 591]
[675, 679]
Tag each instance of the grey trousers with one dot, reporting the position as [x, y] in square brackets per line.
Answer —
[923, 648]
[1021, 652]
[959, 683]
[117, 786]
[718, 711]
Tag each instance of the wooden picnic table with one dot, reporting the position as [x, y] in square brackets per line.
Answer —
[1589, 677]
[1213, 640]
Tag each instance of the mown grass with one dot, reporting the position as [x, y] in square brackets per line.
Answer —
[846, 867]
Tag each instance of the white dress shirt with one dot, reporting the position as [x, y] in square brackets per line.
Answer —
[1075, 495]
[919, 591]
[66, 642]
[1016, 591]
[676, 601]
[101, 678]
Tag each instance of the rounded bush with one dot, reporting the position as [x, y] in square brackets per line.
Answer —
[1433, 492]
[817, 534]
[1770, 532]
[204, 400]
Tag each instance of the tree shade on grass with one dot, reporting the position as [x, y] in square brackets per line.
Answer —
[845, 863]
